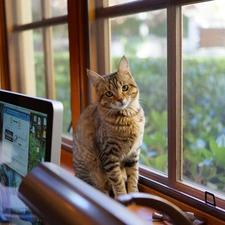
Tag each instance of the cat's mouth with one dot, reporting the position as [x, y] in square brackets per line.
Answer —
[121, 105]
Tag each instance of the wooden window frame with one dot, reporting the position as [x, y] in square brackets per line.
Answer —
[79, 56]
[171, 185]
[4, 66]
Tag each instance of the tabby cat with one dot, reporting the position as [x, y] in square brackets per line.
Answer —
[109, 133]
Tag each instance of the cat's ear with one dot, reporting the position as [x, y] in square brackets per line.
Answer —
[94, 77]
[124, 67]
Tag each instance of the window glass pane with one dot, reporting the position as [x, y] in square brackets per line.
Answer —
[116, 2]
[62, 71]
[203, 94]
[39, 63]
[59, 7]
[36, 10]
[142, 38]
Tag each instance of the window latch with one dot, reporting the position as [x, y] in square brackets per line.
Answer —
[210, 198]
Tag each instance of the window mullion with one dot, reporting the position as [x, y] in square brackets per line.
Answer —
[174, 67]
[79, 52]
[42, 23]
[48, 52]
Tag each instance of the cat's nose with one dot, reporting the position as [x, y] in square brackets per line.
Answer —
[120, 100]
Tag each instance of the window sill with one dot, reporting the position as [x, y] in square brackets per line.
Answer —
[212, 215]
[67, 143]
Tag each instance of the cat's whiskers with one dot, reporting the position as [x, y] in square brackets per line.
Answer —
[141, 102]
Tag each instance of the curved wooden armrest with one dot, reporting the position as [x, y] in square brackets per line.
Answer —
[176, 214]
[58, 198]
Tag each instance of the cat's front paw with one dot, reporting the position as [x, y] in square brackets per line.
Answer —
[121, 192]
[132, 189]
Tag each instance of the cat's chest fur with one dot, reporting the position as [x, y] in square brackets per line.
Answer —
[124, 128]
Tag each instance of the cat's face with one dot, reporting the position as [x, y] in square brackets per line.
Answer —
[116, 91]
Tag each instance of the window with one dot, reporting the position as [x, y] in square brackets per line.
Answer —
[176, 52]
[47, 49]
[203, 90]
[38, 29]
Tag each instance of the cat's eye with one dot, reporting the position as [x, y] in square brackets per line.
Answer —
[125, 87]
[109, 94]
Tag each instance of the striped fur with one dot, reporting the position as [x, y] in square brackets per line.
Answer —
[109, 134]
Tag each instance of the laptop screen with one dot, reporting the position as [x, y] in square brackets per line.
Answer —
[25, 141]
